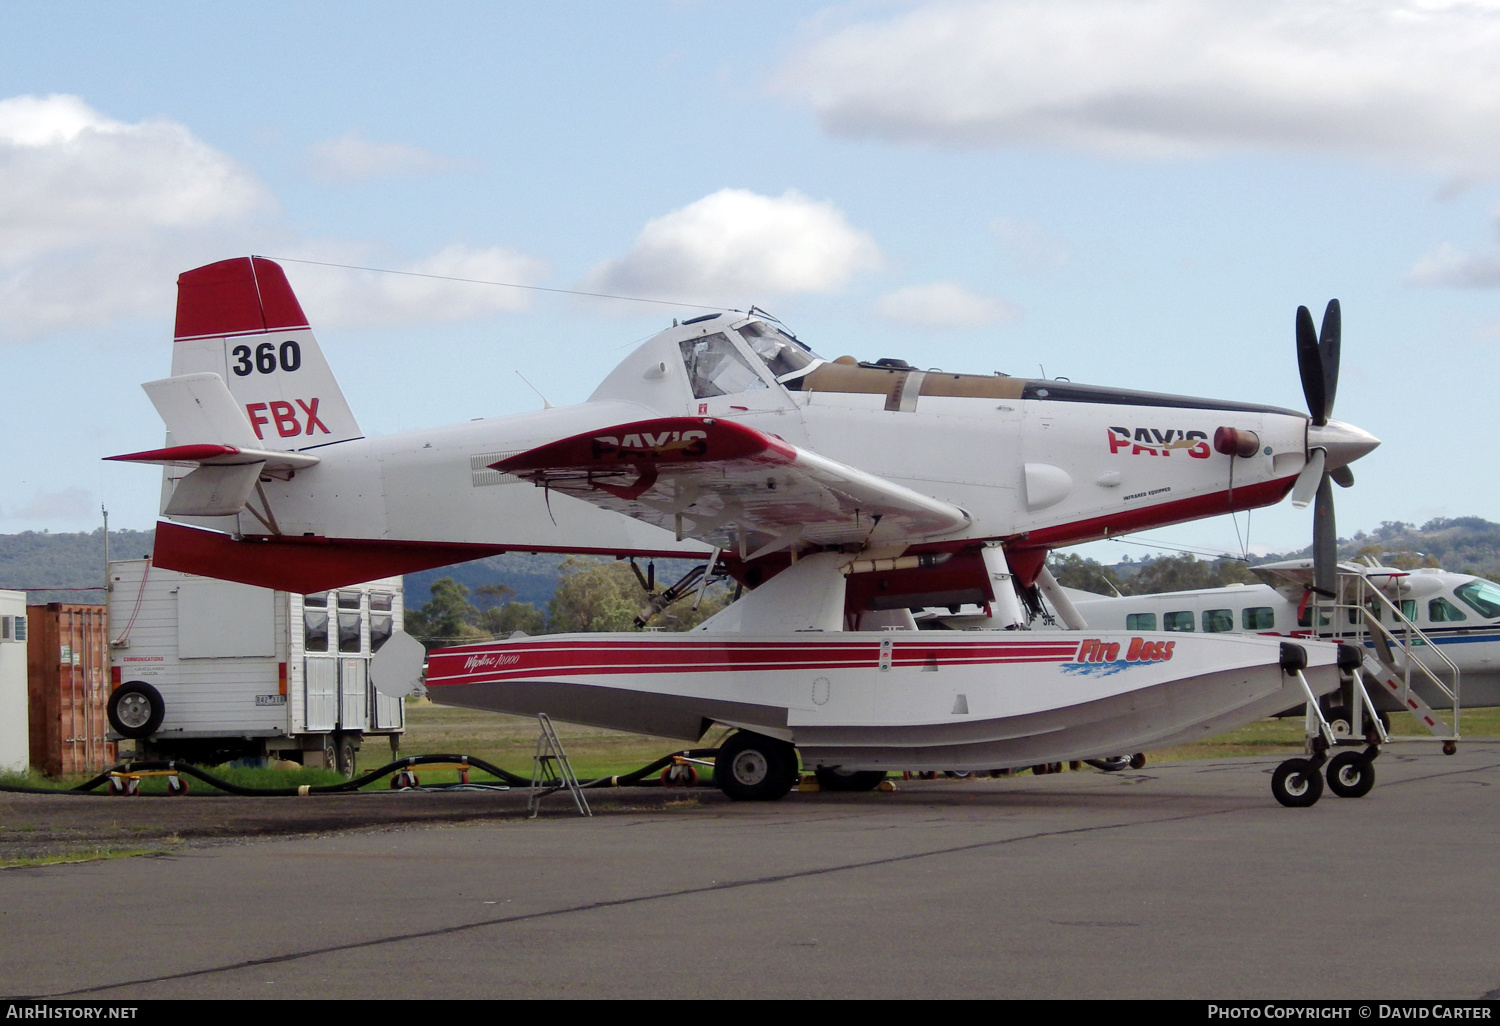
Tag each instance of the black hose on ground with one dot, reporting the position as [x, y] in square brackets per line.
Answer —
[636, 777]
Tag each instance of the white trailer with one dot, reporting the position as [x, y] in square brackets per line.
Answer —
[207, 670]
[15, 736]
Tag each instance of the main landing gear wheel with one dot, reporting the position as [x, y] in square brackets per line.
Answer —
[1350, 775]
[135, 709]
[751, 767]
[833, 778]
[1297, 783]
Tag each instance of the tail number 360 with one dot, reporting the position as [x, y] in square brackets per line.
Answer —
[268, 358]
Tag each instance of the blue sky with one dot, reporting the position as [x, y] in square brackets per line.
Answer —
[1127, 192]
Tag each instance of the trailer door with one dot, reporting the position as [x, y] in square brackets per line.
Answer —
[320, 675]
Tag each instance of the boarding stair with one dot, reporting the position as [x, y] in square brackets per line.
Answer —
[551, 772]
[1397, 656]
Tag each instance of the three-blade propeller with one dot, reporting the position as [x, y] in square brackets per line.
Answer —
[1318, 364]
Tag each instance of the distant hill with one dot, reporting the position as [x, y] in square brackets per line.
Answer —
[52, 562]
[32, 561]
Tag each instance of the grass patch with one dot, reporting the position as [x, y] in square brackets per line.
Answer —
[94, 854]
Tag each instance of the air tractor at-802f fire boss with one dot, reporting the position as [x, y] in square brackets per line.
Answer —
[840, 494]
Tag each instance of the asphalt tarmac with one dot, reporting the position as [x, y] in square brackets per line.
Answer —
[1178, 881]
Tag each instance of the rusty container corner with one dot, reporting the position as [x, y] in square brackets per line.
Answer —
[67, 673]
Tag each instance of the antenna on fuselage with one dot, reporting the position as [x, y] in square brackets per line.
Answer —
[545, 404]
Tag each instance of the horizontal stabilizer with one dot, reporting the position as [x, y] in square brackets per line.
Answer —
[199, 408]
[732, 486]
[199, 411]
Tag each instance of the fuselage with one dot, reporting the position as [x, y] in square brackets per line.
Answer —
[1034, 463]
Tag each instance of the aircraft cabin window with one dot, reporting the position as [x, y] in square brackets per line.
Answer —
[1440, 610]
[1140, 621]
[1177, 621]
[1258, 618]
[1304, 618]
[1218, 621]
[1409, 608]
[715, 367]
[315, 630]
[1480, 596]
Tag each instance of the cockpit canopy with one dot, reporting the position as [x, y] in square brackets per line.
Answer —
[716, 366]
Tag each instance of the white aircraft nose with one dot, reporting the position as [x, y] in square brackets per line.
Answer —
[1344, 443]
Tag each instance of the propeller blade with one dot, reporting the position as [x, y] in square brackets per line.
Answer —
[1309, 480]
[1328, 353]
[1325, 541]
[1343, 477]
[1310, 367]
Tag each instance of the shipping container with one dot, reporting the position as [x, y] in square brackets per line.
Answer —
[206, 671]
[67, 689]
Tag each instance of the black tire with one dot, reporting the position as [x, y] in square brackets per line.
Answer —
[832, 778]
[346, 755]
[1297, 784]
[136, 709]
[1138, 760]
[751, 767]
[1113, 764]
[1350, 775]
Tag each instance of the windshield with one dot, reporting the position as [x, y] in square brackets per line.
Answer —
[780, 352]
[1481, 596]
[715, 367]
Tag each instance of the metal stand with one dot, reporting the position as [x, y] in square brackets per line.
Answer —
[551, 771]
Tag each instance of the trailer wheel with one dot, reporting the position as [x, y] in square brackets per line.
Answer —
[136, 709]
[345, 755]
[751, 767]
[1350, 775]
[1297, 784]
[832, 778]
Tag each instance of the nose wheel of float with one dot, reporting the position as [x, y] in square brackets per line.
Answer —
[1298, 783]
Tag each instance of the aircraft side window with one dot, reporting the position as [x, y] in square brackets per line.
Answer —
[1140, 621]
[1182, 621]
[1480, 596]
[1440, 610]
[1409, 608]
[1304, 618]
[1218, 621]
[349, 632]
[315, 630]
[715, 367]
[1258, 618]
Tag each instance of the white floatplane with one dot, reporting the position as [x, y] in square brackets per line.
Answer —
[841, 494]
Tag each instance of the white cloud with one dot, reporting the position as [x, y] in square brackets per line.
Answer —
[96, 215]
[68, 504]
[1033, 249]
[343, 298]
[944, 304]
[736, 247]
[1446, 264]
[99, 216]
[1415, 82]
[352, 158]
